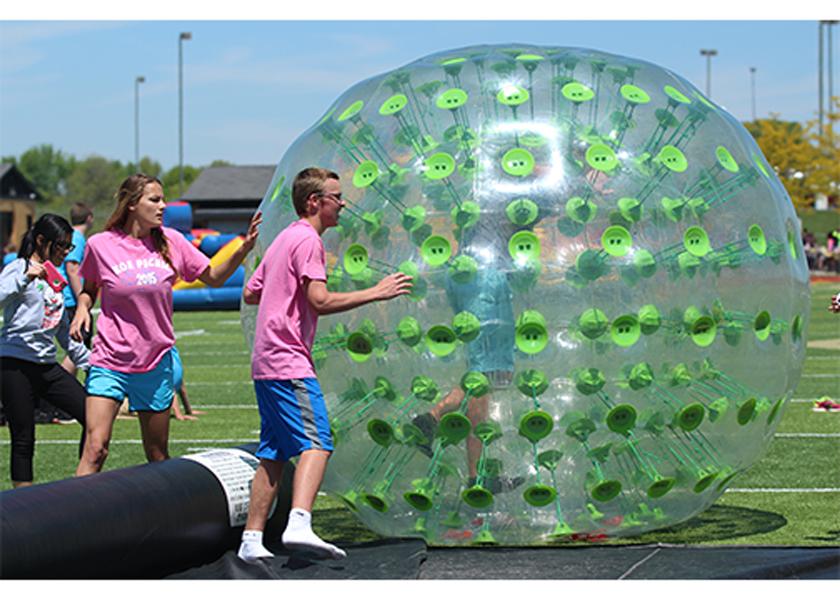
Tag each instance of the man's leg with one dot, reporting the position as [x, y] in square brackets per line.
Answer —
[264, 488]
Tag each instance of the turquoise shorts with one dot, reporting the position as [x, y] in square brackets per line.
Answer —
[151, 391]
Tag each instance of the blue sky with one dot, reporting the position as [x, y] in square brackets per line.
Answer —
[251, 87]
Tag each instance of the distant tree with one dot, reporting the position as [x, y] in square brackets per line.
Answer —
[46, 168]
[220, 163]
[94, 182]
[171, 186]
[148, 166]
[807, 163]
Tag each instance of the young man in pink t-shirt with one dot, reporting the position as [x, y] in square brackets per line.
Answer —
[290, 287]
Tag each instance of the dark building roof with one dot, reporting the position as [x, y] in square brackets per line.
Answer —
[223, 184]
[14, 186]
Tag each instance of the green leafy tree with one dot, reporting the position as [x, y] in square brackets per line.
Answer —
[807, 162]
[46, 168]
[171, 185]
[94, 182]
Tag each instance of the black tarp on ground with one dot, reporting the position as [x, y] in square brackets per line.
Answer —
[410, 559]
[390, 559]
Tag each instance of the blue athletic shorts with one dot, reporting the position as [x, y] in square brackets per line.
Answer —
[151, 391]
[293, 418]
[177, 369]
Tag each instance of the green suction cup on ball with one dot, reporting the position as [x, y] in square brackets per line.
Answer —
[512, 95]
[746, 410]
[409, 331]
[413, 218]
[424, 388]
[761, 325]
[422, 496]
[676, 95]
[634, 94]
[531, 382]
[518, 162]
[475, 384]
[463, 269]
[577, 92]
[630, 209]
[689, 417]
[621, 418]
[466, 326]
[531, 335]
[535, 425]
[726, 160]
[605, 490]
[366, 174]
[539, 495]
[522, 211]
[703, 331]
[660, 487]
[696, 241]
[451, 99]
[453, 428]
[435, 250]
[616, 241]
[757, 240]
[524, 246]
[351, 111]
[466, 215]
[580, 210]
[625, 331]
[477, 497]
[641, 376]
[644, 263]
[672, 158]
[359, 346]
[650, 319]
[393, 105]
[704, 480]
[588, 381]
[601, 158]
[590, 264]
[439, 166]
[380, 432]
[593, 323]
[355, 259]
[440, 340]
[673, 208]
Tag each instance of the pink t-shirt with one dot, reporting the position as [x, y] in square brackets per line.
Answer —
[134, 329]
[286, 322]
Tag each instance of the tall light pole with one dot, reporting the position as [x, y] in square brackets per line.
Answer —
[185, 35]
[708, 54]
[820, 76]
[830, 51]
[137, 81]
[752, 91]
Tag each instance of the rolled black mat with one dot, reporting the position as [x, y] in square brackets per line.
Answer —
[147, 521]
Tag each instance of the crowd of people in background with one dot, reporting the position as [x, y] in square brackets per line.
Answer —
[822, 257]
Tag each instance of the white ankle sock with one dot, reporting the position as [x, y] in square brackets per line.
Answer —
[299, 536]
[251, 549]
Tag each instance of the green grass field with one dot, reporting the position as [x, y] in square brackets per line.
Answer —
[791, 497]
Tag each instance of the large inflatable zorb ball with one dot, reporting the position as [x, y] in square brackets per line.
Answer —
[609, 306]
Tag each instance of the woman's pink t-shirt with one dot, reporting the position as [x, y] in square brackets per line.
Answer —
[134, 328]
[286, 322]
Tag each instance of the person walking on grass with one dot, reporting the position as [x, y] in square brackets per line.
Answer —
[134, 263]
[289, 285]
[81, 218]
[33, 318]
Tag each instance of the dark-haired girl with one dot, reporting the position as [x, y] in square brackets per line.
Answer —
[33, 318]
[134, 263]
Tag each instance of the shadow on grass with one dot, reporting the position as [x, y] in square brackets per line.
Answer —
[718, 523]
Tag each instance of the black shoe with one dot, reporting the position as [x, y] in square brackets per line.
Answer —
[42, 417]
[427, 424]
[500, 484]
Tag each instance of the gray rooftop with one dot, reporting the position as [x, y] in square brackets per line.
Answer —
[230, 183]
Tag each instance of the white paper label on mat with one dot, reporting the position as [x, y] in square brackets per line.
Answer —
[234, 469]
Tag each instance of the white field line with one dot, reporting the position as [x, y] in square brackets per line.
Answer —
[821, 376]
[189, 332]
[783, 490]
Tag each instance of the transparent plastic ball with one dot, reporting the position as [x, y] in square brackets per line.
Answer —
[609, 304]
